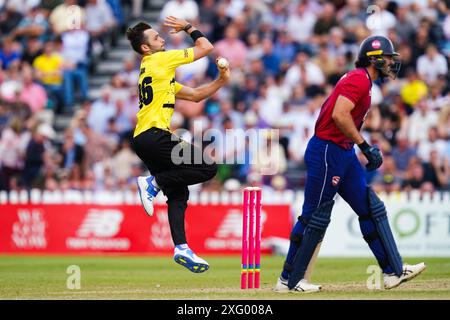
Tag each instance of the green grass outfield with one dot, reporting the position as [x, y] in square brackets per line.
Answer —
[158, 277]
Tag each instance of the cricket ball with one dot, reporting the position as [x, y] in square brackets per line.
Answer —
[222, 62]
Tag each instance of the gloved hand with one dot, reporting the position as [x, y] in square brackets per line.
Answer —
[373, 154]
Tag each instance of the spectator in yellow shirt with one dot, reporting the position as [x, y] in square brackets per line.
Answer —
[49, 72]
[414, 90]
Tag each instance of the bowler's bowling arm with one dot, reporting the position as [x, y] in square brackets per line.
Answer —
[206, 90]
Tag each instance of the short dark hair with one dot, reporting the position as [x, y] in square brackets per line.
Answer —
[136, 35]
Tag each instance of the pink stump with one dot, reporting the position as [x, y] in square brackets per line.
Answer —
[244, 269]
[251, 239]
[258, 238]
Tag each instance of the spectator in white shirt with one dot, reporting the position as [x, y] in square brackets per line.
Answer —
[62, 16]
[23, 6]
[271, 104]
[431, 64]
[420, 121]
[300, 119]
[269, 158]
[433, 143]
[99, 18]
[446, 27]
[381, 20]
[303, 20]
[101, 111]
[75, 46]
[304, 71]
[184, 9]
[235, 7]
[436, 99]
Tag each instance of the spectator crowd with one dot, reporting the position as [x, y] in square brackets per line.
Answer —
[285, 57]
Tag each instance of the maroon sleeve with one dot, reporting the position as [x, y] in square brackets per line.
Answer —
[354, 87]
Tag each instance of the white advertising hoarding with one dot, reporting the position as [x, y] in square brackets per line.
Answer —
[421, 228]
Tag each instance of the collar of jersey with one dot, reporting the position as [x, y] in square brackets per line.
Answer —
[149, 56]
[368, 75]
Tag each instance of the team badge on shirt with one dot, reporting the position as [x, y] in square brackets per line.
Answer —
[335, 180]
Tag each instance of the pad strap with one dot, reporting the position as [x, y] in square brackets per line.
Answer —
[304, 221]
[364, 218]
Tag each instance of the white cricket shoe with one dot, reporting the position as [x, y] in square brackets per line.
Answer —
[412, 271]
[391, 281]
[302, 286]
[306, 287]
[282, 285]
[184, 256]
[147, 193]
[409, 272]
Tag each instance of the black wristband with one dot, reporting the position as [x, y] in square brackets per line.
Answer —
[196, 34]
[364, 145]
[187, 27]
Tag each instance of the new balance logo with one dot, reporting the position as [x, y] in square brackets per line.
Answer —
[231, 225]
[229, 233]
[101, 223]
[98, 231]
